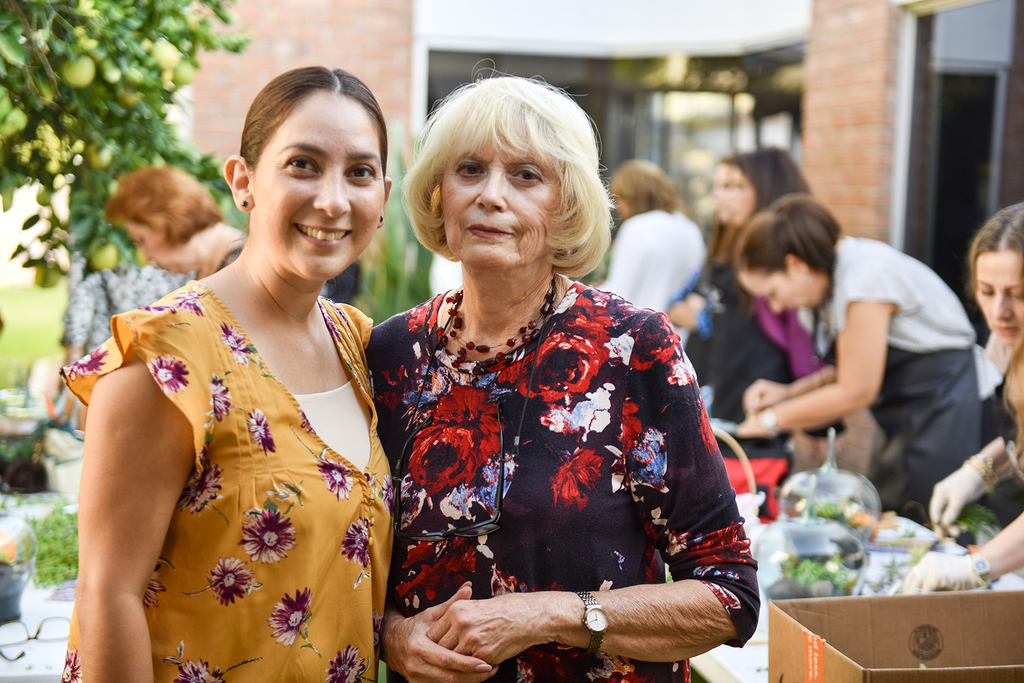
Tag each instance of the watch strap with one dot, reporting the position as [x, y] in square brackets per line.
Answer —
[768, 420]
[590, 602]
[981, 567]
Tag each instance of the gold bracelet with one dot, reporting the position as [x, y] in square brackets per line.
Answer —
[984, 469]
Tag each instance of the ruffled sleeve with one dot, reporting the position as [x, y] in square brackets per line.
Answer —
[162, 337]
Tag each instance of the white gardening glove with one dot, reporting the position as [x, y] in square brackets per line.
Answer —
[951, 495]
[942, 572]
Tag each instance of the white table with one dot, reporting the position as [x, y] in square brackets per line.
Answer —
[43, 662]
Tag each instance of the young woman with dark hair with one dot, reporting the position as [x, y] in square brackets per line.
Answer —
[235, 504]
[903, 346]
[736, 340]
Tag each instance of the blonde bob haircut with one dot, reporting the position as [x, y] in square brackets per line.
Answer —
[524, 117]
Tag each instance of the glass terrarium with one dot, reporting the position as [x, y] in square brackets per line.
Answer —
[17, 563]
[841, 495]
[810, 557]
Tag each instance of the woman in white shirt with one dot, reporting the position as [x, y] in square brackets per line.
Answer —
[658, 249]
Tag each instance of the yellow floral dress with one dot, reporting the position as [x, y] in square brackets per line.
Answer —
[275, 563]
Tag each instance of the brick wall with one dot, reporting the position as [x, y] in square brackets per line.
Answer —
[370, 38]
[849, 109]
[916, 238]
[1011, 188]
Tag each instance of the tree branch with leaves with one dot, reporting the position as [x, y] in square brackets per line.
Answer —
[85, 91]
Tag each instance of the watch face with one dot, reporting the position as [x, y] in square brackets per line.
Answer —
[596, 620]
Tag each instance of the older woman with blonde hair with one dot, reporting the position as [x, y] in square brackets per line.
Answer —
[549, 445]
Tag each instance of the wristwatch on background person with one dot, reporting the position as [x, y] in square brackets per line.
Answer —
[768, 420]
[981, 567]
[594, 619]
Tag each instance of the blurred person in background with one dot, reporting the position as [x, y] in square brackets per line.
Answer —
[658, 249]
[736, 340]
[902, 344]
[235, 500]
[996, 267]
[178, 227]
[549, 444]
[174, 221]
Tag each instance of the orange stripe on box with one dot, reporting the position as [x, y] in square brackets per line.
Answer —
[814, 658]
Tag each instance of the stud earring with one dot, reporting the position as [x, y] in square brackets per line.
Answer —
[245, 204]
[382, 218]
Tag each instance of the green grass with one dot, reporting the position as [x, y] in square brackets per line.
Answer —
[32, 324]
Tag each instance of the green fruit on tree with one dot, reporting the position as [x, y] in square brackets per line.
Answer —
[99, 157]
[79, 73]
[103, 257]
[127, 97]
[111, 74]
[14, 123]
[48, 276]
[7, 197]
[165, 54]
[134, 75]
[184, 73]
[140, 258]
[44, 197]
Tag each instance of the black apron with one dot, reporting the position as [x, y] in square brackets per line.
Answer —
[930, 415]
[737, 353]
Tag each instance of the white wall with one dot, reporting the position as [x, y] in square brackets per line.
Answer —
[979, 34]
[611, 28]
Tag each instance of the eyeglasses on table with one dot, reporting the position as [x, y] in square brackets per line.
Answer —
[14, 633]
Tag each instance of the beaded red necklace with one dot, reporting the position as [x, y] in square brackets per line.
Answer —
[526, 334]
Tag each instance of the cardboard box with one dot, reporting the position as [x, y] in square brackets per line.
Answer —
[975, 637]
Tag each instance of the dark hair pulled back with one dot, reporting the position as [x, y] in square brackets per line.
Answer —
[280, 96]
[796, 224]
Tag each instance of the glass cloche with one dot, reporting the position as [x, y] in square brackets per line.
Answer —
[17, 563]
[841, 495]
[810, 557]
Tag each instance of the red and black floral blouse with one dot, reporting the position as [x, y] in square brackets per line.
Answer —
[617, 472]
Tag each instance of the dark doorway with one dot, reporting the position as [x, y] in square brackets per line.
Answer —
[962, 172]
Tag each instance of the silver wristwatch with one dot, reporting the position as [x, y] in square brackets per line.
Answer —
[768, 420]
[594, 619]
[981, 567]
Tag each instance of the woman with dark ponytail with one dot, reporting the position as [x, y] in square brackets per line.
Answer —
[900, 339]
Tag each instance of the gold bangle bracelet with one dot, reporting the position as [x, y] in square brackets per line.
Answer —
[983, 468]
